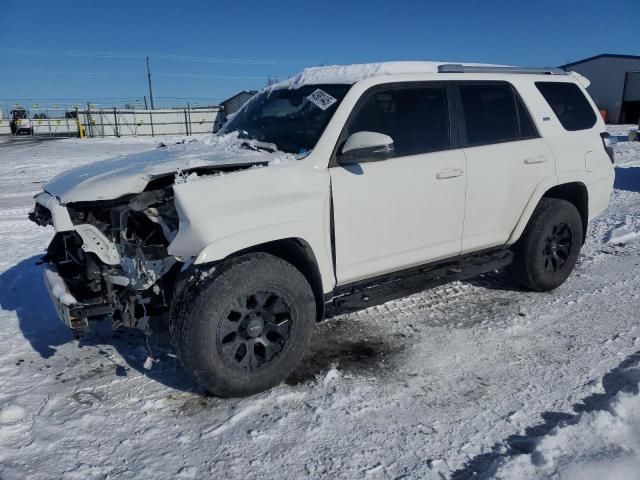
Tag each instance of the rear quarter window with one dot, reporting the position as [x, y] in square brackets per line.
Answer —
[569, 104]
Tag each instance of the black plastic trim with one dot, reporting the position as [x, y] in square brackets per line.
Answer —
[380, 289]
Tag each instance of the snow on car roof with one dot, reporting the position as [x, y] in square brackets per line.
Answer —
[353, 73]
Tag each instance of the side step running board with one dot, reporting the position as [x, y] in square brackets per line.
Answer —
[367, 293]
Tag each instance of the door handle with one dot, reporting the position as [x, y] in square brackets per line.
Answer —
[453, 173]
[533, 160]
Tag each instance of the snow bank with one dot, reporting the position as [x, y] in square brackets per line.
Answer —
[621, 130]
[602, 444]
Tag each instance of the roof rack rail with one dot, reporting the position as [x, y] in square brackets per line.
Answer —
[459, 68]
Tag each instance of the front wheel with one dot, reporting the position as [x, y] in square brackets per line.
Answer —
[548, 250]
[244, 329]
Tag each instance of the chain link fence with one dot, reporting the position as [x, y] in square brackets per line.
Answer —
[91, 121]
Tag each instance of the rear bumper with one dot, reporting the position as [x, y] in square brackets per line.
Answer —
[72, 313]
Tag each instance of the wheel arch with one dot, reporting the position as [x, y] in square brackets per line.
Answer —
[298, 253]
[577, 194]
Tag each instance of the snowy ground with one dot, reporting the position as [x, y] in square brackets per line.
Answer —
[473, 377]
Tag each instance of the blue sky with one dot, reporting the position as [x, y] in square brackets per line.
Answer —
[205, 51]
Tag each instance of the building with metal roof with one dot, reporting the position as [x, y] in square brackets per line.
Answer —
[615, 84]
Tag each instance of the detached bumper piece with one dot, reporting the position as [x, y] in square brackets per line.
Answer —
[72, 313]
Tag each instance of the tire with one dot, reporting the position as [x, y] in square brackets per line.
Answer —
[548, 250]
[245, 328]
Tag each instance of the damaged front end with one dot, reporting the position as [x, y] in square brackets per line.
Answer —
[109, 259]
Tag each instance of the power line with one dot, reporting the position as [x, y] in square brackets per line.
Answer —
[42, 72]
[162, 74]
[165, 56]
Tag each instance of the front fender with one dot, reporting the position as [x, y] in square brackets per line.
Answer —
[222, 215]
[225, 246]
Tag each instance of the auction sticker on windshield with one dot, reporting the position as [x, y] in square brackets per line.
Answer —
[321, 99]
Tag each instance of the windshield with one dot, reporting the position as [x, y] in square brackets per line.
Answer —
[291, 119]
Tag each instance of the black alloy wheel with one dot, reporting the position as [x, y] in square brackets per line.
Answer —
[255, 330]
[558, 246]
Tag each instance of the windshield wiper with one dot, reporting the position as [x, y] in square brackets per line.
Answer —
[256, 145]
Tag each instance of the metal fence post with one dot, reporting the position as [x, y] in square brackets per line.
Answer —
[48, 121]
[115, 122]
[89, 120]
[190, 132]
[79, 124]
[151, 120]
[186, 122]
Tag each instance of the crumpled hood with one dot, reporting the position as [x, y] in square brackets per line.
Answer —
[130, 174]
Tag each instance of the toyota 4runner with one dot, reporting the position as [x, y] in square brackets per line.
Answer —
[338, 189]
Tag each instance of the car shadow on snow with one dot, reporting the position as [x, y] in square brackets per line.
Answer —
[623, 378]
[338, 343]
[22, 290]
[497, 280]
[627, 179]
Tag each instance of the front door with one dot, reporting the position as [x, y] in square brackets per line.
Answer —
[407, 210]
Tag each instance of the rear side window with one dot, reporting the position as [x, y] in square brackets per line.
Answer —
[569, 104]
[415, 117]
[494, 113]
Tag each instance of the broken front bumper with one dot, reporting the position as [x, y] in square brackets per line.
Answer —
[72, 313]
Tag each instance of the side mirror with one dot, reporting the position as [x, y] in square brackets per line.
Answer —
[366, 147]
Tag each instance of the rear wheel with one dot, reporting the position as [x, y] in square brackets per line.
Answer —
[244, 329]
[548, 250]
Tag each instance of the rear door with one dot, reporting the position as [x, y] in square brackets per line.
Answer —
[409, 209]
[506, 160]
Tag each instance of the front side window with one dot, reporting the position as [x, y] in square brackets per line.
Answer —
[291, 119]
[416, 118]
[494, 113]
[569, 104]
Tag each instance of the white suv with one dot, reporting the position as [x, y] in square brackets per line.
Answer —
[338, 189]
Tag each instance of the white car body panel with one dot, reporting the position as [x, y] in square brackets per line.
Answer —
[253, 207]
[392, 214]
[501, 179]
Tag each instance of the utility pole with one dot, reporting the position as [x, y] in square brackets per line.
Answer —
[150, 89]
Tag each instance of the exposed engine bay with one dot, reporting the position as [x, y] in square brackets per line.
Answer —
[116, 223]
[114, 260]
